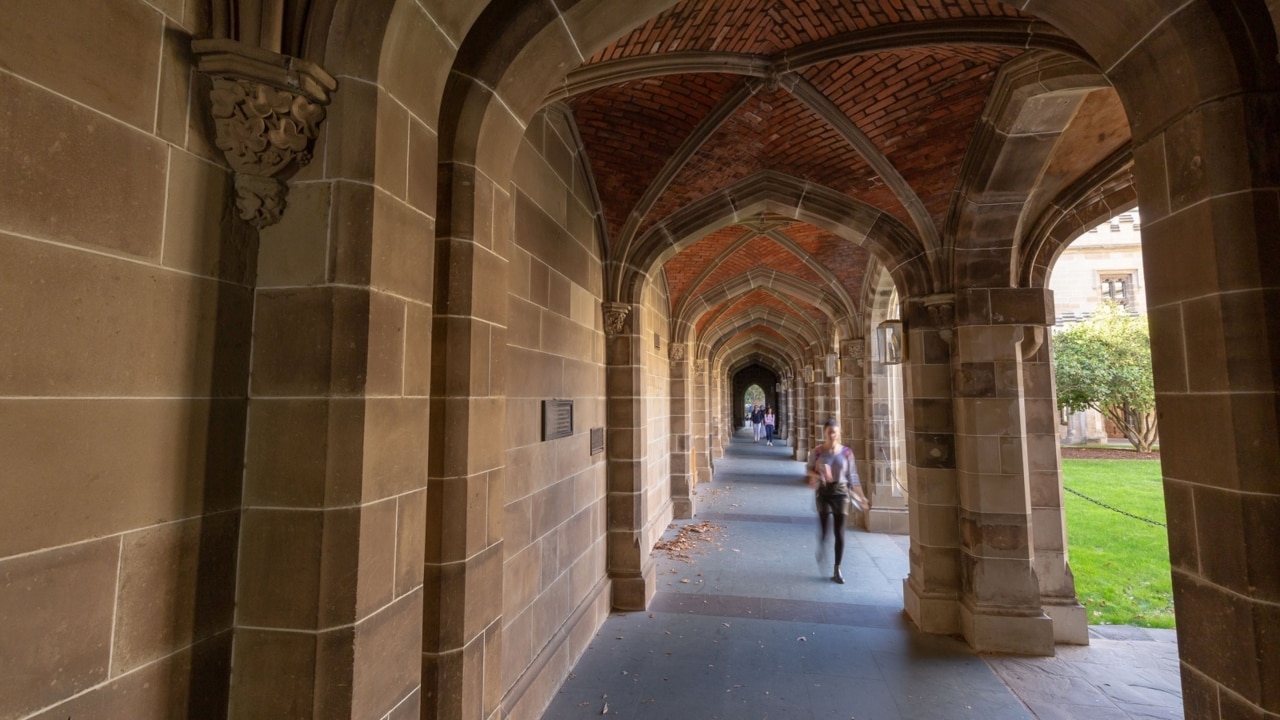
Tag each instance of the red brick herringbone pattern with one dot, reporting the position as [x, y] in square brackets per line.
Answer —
[775, 131]
[848, 262]
[760, 252]
[749, 336]
[769, 26]
[630, 130]
[920, 107]
[779, 337]
[687, 264]
[760, 298]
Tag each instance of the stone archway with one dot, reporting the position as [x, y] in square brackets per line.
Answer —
[757, 376]
[1188, 194]
[1130, 44]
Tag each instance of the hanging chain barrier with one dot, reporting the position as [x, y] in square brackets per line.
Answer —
[1116, 509]
[1126, 513]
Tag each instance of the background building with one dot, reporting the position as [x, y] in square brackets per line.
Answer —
[1104, 263]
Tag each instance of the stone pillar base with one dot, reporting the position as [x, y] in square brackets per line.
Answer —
[1007, 633]
[1070, 622]
[936, 614]
[682, 508]
[634, 593]
[894, 521]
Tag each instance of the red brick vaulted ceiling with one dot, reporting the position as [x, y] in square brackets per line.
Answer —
[848, 262]
[775, 131]
[757, 299]
[765, 27]
[689, 263]
[630, 130]
[919, 107]
[791, 88]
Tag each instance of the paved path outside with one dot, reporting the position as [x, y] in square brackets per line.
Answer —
[747, 626]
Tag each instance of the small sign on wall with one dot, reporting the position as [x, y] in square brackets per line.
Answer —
[557, 419]
[597, 440]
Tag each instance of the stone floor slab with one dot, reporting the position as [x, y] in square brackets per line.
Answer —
[749, 627]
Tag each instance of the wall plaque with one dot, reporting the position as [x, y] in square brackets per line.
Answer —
[557, 419]
[597, 440]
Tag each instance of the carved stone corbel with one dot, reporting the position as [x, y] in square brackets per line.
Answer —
[677, 352]
[853, 350]
[700, 366]
[615, 317]
[942, 312]
[267, 109]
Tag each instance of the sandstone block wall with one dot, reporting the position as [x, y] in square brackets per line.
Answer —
[554, 582]
[126, 290]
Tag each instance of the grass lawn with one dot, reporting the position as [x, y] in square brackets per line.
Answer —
[1121, 565]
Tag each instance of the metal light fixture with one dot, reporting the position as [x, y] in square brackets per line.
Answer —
[890, 342]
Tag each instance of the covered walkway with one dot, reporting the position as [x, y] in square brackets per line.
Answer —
[746, 625]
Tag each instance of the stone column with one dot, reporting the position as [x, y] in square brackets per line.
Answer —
[1000, 608]
[781, 431]
[719, 419]
[931, 590]
[886, 475]
[801, 423]
[328, 578]
[681, 442]
[701, 423]
[853, 420]
[790, 384]
[1048, 519]
[466, 479]
[1209, 247]
[628, 563]
[817, 400]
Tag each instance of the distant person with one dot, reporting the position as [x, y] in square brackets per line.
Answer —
[747, 413]
[769, 422]
[834, 478]
[757, 421]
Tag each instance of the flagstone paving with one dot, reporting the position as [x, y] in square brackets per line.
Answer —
[746, 626]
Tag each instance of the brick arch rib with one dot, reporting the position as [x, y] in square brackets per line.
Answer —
[781, 194]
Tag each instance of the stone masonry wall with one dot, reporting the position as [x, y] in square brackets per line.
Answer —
[127, 302]
[554, 520]
[655, 341]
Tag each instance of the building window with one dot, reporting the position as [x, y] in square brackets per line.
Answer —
[1118, 289]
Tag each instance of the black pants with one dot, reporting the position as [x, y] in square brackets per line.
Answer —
[832, 506]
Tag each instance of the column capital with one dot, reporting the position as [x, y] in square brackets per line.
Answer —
[615, 317]
[677, 352]
[267, 109]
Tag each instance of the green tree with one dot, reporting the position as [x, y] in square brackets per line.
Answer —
[1104, 363]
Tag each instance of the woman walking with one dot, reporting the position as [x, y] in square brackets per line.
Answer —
[769, 422]
[834, 478]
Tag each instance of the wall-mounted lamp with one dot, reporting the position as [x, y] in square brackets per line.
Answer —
[889, 342]
[833, 365]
